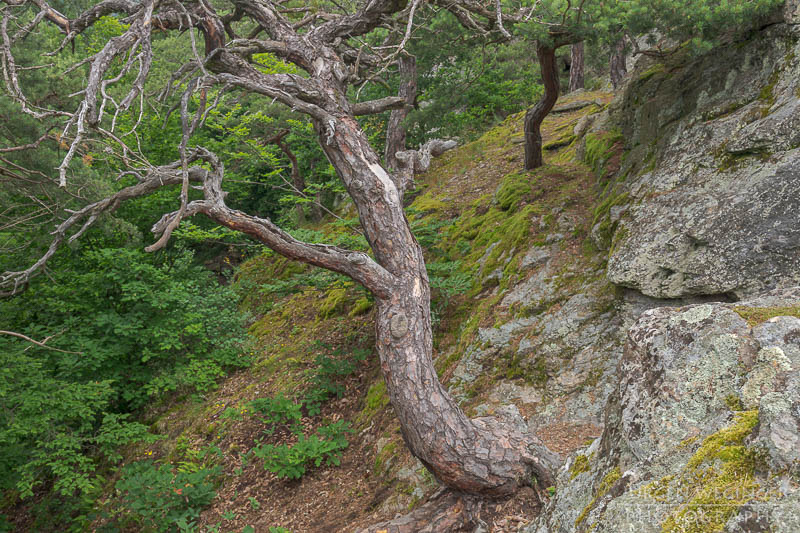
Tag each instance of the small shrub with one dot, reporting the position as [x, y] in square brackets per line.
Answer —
[162, 500]
[331, 366]
[277, 411]
[292, 461]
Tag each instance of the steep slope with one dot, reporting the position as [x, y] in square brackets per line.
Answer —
[681, 191]
[491, 233]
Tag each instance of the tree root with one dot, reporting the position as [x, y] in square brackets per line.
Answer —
[445, 512]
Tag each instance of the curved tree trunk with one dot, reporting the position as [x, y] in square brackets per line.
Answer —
[576, 77]
[617, 67]
[535, 115]
[481, 456]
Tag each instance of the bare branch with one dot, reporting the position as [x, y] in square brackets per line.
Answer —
[378, 106]
[37, 343]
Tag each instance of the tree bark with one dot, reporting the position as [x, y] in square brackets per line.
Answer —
[481, 456]
[446, 511]
[617, 67]
[535, 116]
[576, 77]
[395, 130]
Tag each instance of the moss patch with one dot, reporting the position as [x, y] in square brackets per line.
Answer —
[334, 301]
[579, 466]
[512, 190]
[376, 400]
[758, 315]
[362, 306]
[600, 148]
[717, 480]
[602, 489]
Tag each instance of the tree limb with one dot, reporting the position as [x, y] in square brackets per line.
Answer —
[37, 343]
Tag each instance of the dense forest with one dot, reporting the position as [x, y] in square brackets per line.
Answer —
[250, 242]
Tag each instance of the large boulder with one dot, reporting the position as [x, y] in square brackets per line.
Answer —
[703, 430]
[711, 178]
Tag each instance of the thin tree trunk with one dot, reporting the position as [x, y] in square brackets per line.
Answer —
[576, 77]
[298, 182]
[478, 456]
[535, 115]
[395, 129]
[618, 70]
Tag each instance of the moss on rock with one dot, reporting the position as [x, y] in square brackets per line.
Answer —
[757, 315]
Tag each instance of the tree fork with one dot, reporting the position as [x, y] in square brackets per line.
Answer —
[536, 115]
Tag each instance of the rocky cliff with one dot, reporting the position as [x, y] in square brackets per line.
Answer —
[702, 426]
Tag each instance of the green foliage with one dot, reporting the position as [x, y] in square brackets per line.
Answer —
[291, 462]
[161, 500]
[471, 86]
[151, 324]
[699, 24]
[136, 326]
[277, 411]
[330, 366]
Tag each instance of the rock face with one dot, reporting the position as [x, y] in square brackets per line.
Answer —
[712, 171]
[703, 430]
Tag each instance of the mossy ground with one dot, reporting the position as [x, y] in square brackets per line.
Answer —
[717, 480]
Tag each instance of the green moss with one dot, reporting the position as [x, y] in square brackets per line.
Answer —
[758, 315]
[579, 466]
[606, 229]
[767, 94]
[718, 479]
[375, 401]
[333, 302]
[559, 142]
[658, 68]
[362, 306]
[426, 203]
[384, 454]
[731, 161]
[600, 147]
[512, 190]
[602, 489]
[733, 402]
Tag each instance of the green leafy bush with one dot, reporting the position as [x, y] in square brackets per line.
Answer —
[161, 500]
[277, 411]
[131, 326]
[330, 366]
[293, 461]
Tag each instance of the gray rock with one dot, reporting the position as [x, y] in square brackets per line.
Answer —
[718, 212]
[536, 256]
[681, 370]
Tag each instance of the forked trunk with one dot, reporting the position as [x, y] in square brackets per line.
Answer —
[576, 77]
[536, 115]
[482, 456]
